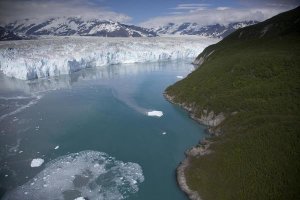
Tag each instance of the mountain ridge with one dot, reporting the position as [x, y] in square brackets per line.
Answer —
[77, 26]
[213, 30]
[8, 35]
[68, 26]
[250, 80]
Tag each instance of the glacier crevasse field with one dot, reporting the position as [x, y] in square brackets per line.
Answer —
[31, 59]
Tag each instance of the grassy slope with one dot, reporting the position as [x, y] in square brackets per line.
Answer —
[257, 157]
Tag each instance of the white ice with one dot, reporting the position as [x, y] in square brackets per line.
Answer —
[164, 133]
[90, 174]
[30, 59]
[155, 113]
[56, 147]
[36, 162]
[179, 77]
[80, 198]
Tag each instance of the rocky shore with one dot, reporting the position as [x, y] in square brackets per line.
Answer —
[209, 119]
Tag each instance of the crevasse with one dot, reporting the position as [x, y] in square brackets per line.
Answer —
[41, 58]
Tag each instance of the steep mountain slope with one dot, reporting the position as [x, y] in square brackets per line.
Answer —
[250, 78]
[77, 26]
[8, 35]
[215, 30]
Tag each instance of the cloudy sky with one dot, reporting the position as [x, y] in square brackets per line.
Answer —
[147, 12]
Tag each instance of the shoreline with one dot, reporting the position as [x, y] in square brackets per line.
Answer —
[208, 119]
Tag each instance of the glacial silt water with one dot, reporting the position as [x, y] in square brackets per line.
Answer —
[93, 133]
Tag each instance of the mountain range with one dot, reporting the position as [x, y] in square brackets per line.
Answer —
[214, 30]
[62, 26]
[76, 26]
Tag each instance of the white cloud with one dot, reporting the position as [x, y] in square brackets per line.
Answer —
[190, 6]
[41, 9]
[222, 8]
[221, 15]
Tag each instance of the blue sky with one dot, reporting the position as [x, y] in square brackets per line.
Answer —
[147, 13]
[141, 10]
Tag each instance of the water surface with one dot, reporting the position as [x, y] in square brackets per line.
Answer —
[100, 113]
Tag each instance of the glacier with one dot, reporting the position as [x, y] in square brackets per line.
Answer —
[54, 56]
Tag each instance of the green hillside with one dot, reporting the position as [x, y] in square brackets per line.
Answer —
[254, 72]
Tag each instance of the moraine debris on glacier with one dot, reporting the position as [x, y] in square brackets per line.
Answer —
[56, 56]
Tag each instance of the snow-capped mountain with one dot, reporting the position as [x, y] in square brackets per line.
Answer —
[67, 26]
[8, 35]
[215, 30]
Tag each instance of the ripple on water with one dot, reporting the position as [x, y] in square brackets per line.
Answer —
[87, 174]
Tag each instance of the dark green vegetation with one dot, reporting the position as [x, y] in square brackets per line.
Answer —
[255, 72]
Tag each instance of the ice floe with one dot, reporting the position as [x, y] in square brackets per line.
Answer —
[83, 175]
[155, 113]
[179, 77]
[36, 162]
[80, 198]
[57, 147]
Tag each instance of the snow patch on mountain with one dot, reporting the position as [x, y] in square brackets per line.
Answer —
[52, 57]
[77, 26]
[214, 30]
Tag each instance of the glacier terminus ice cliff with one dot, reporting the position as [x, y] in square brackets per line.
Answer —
[32, 59]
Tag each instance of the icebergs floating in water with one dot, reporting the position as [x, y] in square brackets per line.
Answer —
[37, 162]
[57, 147]
[179, 77]
[83, 175]
[155, 113]
[164, 133]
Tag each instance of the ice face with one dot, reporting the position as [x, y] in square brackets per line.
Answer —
[85, 175]
[52, 57]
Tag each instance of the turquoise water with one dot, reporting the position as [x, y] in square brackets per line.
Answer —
[104, 111]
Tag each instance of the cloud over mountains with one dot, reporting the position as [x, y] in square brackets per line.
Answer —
[205, 14]
[42, 9]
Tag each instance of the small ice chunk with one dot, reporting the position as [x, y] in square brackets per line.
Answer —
[36, 162]
[6, 175]
[25, 193]
[164, 133]
[20, 151]
[56, 147]
[155, 113]
[15, 119]
[180, 77]
[80, 198]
